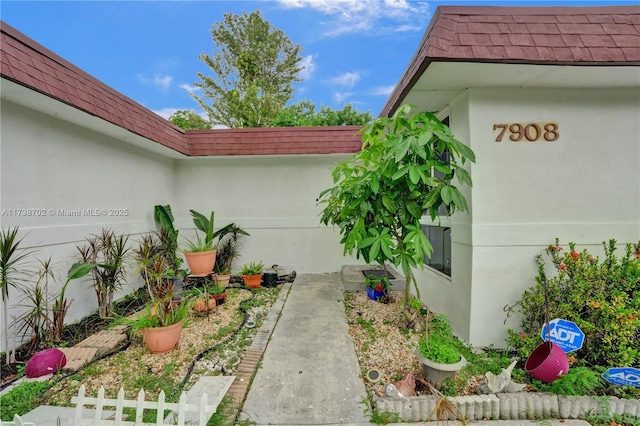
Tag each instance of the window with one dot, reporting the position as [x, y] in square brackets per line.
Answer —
[440, 237]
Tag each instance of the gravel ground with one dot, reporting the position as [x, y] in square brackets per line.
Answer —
[136, 367]
[380, 340]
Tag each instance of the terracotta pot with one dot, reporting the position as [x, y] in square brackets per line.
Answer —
[547, 362]
[219, 298]
[202, 305]
[201, 262]
[252, 281]
[436, 373]
[160, 340]
[223, 279]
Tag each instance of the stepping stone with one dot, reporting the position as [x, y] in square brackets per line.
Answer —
[106, 340]
[78, 357]
[215, 387]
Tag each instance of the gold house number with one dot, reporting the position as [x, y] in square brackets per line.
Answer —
[529, 132]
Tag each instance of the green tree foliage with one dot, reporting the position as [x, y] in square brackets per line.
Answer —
[189, 120]
[304, 113]
[254, 66]
[400, 174]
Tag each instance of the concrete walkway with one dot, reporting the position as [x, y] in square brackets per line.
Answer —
[310, 374]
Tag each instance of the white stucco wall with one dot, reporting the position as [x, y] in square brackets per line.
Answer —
[271, 197]
[62, 170]
[50, 165]
[584, 188]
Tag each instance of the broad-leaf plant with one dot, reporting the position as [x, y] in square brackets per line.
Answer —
[401, 173]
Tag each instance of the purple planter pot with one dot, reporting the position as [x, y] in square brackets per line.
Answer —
[547, 362]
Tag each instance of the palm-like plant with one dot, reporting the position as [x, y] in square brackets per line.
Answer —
[107, 252]
[11, 258]
[228, 247]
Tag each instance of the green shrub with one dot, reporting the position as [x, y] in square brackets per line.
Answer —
[601, 297]
[22, 399]
[578, 381]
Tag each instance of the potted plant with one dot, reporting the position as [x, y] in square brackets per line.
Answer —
[228, 248]
[377, 287]
[201, 254]
[160, 323]
[218, 293]
[438, 352]
[252, 274]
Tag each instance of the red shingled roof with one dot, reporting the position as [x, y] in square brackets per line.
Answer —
[33, 66]
[603, 36]
[275, 140]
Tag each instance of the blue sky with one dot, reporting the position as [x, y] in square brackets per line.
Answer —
[354, 51]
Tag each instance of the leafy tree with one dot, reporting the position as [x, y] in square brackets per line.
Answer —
[304, 113]
[399, 175]
[189, 120]
[254, 66]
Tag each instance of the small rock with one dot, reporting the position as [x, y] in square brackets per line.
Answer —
[406, 386]
[391, 391]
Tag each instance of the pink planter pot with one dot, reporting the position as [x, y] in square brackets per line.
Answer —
[547, 362]
[162, 339]
[201, 262]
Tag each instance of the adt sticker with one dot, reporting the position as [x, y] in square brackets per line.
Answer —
[623, 376]
[564, 333]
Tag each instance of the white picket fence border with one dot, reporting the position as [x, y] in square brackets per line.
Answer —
[17, 421]
[181, 408]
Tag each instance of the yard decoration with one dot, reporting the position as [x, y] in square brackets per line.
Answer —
[401, 173]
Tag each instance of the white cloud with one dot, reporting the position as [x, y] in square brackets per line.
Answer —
[378, 16]
[341, 97]
[383, 90]
[189, 88]
[348, 79]
[309, 67]
[168, 112]
[165, 112]
[161, 81]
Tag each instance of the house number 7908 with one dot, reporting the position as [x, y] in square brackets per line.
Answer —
[530, 132]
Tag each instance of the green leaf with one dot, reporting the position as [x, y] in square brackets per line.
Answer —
[400, 173]
[432, 197]
[464, 150]
[402, 150]
[375, 249]
[389, 203]
[366, 242]
[459, 200]
[414, 174]
[446, 194]
[463, 176]
[375, 184]
[79, 270]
